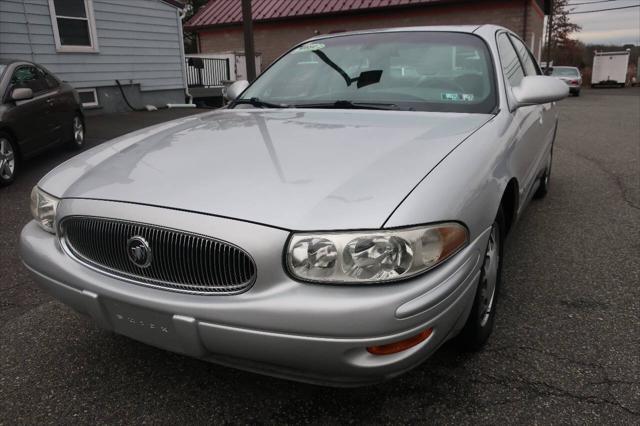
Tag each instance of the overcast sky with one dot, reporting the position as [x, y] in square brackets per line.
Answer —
[610, 27]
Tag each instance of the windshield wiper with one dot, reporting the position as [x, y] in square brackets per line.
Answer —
[344, 104]
[256, 102]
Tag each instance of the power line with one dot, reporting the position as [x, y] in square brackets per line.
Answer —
[591, 2]
[603, 10]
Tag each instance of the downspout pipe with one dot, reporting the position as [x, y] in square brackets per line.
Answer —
[181, 14]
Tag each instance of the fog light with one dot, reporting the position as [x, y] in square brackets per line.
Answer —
[400, 346]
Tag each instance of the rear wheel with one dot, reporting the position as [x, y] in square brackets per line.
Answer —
[77, 140]
[479, 325]
[545, 179]
[8, 159]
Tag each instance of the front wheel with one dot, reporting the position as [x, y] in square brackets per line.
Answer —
[77, 127]
[479, 325]
[8, 159]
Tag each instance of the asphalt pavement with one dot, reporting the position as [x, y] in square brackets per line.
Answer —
[566, 346]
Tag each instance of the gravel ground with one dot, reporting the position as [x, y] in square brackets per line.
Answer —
[564, 350]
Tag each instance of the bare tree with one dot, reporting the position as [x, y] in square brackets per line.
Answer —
[191, 8]
[561, 27]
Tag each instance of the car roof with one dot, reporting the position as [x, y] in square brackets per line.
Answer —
[434, 28]
[13, 61]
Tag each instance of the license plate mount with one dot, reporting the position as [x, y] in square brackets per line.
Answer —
[145, 325]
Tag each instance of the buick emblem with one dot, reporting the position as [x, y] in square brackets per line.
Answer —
[139, 251]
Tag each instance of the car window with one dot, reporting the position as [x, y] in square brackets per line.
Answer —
[527, 60]
[29, 77]
[51, 81]
[423, 71]
[510, 62]
[565, 72]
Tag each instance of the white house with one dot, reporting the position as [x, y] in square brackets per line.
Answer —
[93, 43]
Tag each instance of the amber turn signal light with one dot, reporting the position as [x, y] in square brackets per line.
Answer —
[402, 345]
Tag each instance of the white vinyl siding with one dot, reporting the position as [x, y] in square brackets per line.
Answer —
[139, 43]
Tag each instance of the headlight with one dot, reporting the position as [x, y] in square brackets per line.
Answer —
[372, 256]
[43, 209]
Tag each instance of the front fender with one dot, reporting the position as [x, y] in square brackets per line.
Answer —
[467, 185]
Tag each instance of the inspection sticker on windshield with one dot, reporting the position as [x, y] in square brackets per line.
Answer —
[452, 96]
[309, 47]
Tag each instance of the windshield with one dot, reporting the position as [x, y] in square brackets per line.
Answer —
[565, 72]
[422, 71]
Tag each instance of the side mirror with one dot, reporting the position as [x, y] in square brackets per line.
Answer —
[548, 71]
[21, 94]
[539, 89]
[232, 92]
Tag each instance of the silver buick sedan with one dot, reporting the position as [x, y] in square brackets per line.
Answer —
[338, 222]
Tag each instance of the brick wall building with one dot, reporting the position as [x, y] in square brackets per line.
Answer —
[280, 24]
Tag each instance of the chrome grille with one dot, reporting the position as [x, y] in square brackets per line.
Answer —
[181, 261]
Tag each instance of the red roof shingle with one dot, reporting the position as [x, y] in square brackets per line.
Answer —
[221, 12]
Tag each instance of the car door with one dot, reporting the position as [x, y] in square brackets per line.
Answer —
[548, 114]
[526, 120]
[62, 106]
[31, 119]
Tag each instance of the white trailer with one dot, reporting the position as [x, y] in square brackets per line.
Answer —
[610, 68]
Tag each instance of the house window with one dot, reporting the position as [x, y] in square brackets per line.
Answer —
[74, 27]
[88, 97]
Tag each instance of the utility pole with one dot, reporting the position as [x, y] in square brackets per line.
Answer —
[550, 29]
[249, 49]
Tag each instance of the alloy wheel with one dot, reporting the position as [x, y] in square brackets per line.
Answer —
[78, 131]
[7, 159]
[490, 275]
[547, 173]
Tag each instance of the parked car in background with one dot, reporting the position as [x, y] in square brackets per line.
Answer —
[337, 223]
[570, 75]
[37, 111]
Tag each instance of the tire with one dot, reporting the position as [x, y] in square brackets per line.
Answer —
[545, 179]
[577, 93]
[77, 132]
[479, 325]
[9, 159]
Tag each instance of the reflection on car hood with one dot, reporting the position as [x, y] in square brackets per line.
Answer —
[295, 169]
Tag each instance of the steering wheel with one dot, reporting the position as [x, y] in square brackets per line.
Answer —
[439, 83]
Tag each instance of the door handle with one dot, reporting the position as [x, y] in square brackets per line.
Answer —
[50, 101]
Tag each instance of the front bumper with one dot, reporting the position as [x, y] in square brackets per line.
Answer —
[280, 327]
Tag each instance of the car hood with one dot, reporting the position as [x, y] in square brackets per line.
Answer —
[295, 169]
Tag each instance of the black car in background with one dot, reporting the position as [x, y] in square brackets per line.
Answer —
[37, 111]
